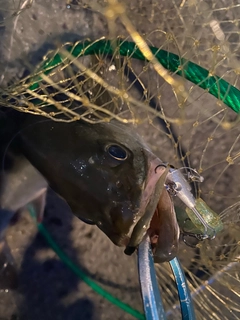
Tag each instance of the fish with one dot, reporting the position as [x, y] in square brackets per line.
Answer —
[16, 174]
[105, 172]
[102, 170]
[22, 176]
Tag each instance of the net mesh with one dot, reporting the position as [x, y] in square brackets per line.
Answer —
[171, 69]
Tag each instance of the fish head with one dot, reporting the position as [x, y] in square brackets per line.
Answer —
[104, 171]
[120, 178]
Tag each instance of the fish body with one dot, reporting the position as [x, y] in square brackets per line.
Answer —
[20, 184]
[103, 171]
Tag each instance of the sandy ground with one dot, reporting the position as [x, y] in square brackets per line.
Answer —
[47, 289]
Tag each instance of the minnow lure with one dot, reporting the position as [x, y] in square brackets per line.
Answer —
[203, 220]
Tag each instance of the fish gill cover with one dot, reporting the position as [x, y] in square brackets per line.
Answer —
[170, 69]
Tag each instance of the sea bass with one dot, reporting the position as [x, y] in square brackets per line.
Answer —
[104, 171]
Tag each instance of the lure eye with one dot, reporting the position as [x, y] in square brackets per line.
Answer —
[117, 152]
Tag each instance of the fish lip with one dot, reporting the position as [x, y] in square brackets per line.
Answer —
[164, 229]
[147, 193]
[151, 181]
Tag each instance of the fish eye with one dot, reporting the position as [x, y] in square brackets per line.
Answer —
[117, 152]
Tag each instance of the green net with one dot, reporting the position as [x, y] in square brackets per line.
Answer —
[169, 68]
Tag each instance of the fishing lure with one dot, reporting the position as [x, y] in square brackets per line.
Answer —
[204, 222]
[162, 226]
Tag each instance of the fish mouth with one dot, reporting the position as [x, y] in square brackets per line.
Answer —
[155, 182]
[136, 227]
[164, 230]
